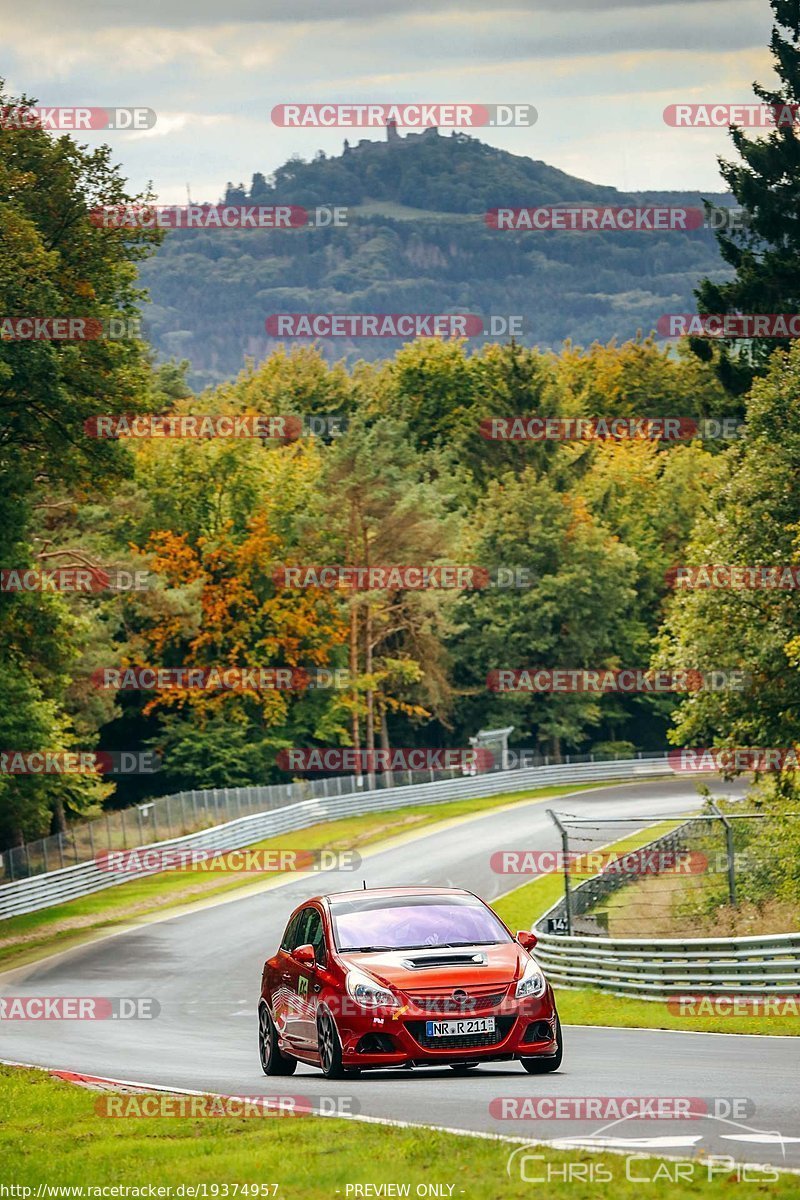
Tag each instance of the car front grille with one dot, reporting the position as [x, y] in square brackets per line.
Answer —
[446, 1004]
[471, 1041]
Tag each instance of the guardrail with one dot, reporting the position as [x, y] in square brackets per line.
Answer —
[55, 887]
[657, 968]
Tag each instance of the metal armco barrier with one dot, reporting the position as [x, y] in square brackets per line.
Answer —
[657, 968]
[55, 887]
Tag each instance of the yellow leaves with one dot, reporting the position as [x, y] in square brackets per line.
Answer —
[579, 515]
[173, 557]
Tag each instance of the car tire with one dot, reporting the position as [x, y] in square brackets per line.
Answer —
[544, 1065]
[462, 1068]
[329, 1047]
[273, 1061]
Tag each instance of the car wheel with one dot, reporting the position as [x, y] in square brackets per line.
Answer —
[329, 1047]
[273, 1062]
[543, 1066]
[462, 1068]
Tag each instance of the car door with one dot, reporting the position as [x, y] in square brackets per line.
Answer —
[284, 981]
[308, 983]
[296, 982]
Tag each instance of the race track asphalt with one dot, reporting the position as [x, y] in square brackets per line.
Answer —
[204, 968]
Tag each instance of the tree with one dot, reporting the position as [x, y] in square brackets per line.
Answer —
[54, 262]
[575, 608]
[765, 256]
[380, 508]
[750, 519]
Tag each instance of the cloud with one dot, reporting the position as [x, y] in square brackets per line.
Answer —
[177, 122]
[178, 13]
[598, 71]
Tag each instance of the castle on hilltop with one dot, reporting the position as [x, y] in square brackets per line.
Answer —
[393, 138]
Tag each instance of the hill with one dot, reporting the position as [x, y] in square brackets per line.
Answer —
[416, 241]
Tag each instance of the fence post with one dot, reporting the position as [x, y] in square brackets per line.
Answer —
[730, 853]
[169, 817]
[124, 831]
[139, 819]
[565, 848]
[91, 837]
[60, 849]
[44, 852]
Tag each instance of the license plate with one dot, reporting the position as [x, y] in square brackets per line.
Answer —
[460, 1028]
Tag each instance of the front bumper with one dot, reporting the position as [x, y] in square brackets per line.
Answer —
[390, 1038]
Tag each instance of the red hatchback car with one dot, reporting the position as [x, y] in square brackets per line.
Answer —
[404, 977]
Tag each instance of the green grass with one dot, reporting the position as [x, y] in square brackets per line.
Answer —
[525, 905]
[31, 935]
[51, 1134]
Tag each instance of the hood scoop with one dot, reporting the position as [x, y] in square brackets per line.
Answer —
[445, 958]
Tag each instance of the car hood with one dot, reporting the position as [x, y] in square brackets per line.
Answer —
[432, 968]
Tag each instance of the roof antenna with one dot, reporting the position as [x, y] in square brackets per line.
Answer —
[364, 882]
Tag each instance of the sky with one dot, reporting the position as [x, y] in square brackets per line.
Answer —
[599, 72]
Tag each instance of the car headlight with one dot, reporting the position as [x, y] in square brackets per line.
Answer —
[369, 992]
[532, 982]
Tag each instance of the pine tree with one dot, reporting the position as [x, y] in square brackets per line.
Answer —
[766, 253]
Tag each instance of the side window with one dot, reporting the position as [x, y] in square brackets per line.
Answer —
[289, 942]
[299, 935]
[314, 933]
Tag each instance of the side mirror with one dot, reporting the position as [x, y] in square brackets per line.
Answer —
[526, 939]
[305, 955]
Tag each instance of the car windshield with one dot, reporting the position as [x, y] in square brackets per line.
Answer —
[414, 923]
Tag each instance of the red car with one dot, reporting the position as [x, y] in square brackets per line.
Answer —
[404, 977]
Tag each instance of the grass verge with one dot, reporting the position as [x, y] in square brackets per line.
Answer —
[52, 1136]
[524, 905]
[31, 935]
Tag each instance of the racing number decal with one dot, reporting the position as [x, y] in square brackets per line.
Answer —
[302, 985]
